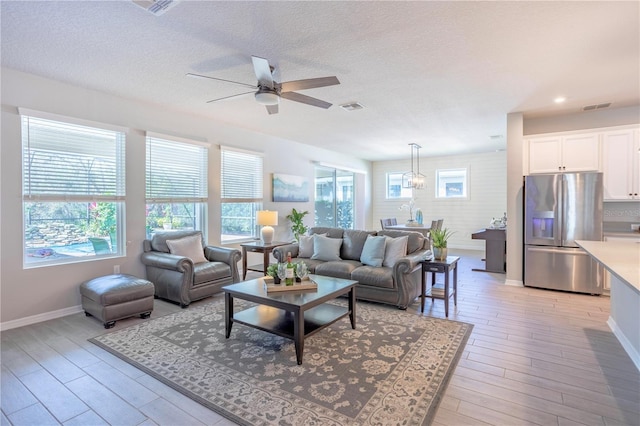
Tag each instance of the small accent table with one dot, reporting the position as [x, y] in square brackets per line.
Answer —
[257, 247]
[442, 266]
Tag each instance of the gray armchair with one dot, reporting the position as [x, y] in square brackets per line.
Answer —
[178, 279]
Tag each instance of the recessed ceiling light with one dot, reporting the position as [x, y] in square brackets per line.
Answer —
[560, 99]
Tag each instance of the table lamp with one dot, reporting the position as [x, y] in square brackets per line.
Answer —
[267, 218]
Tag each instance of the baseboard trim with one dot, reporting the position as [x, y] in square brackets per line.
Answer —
[626, 344]
[46, 316]
[514, 283]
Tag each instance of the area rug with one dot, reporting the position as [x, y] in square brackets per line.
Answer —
[392, 369]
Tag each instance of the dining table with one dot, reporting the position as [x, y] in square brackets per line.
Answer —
[423, 229]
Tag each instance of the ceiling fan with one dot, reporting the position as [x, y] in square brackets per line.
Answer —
[269, 91]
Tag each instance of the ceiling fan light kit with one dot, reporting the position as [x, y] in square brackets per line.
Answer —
[269, 91]
[267, 97]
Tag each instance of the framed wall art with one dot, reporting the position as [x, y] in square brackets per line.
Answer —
[288, 188]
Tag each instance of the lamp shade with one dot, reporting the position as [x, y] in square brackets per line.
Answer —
[267, 218]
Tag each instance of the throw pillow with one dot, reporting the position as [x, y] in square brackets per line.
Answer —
[373, 251]
[395, 248]
[190, 247]
[305, 246]
[325, 248]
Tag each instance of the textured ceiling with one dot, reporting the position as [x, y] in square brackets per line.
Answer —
[441, 74]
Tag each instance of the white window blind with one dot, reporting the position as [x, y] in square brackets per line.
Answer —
[176, 171]
[241, 174]
[70, 162]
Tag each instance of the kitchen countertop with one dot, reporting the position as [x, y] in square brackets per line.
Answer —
[621, 258]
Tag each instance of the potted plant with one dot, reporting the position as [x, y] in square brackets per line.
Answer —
[272, 271]
[439, 238]
[297, 226]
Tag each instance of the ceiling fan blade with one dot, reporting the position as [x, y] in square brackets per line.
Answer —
[272, 109]
[263, 71]
[220, 79]
[293, 96]
[309, 83]
[229, 97]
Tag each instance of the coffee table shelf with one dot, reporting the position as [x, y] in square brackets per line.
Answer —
[280, 322]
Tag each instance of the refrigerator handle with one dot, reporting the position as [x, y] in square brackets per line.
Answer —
[559, 235]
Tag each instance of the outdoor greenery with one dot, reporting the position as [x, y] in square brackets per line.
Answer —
[342, 218]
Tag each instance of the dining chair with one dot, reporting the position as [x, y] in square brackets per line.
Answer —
[388, 222]
[440, 221]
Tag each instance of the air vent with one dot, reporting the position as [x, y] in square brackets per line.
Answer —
[157, 7]
[598, 106]
[351, 106]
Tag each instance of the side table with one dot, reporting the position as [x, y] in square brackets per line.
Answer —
[258, 247]
[442, 266]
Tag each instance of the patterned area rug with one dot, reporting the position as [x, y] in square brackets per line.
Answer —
[392, 369]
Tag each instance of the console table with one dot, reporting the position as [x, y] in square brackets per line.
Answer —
[495, 249]
[258, 247]
[440, 266]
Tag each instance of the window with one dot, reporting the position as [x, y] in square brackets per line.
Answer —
[451, 183]
[73, 178]
[176, 181]
[394, 186]
[241, 181]
[334, 198]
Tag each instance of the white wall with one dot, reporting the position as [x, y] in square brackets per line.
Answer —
[41, 293]
[487, 194]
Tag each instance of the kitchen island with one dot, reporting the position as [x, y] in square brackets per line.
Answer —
[622, 260]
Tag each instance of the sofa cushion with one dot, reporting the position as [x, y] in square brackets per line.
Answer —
[395, 248]
[353, 242]
[329, 232]
[311, 264]
[374, 277]
[373, 251]
[210, 271]
[416, 239]
[190, 247]
[338, 269]
[325, 248]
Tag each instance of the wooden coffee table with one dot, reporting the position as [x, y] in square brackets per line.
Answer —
[295, 314]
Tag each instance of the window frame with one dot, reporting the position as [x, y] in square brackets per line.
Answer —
[60, 141]
[241, 183]
[183, 188]
[404, 194]
[441, 190]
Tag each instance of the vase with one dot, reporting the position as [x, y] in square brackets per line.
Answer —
[440, 253]
[419, 216]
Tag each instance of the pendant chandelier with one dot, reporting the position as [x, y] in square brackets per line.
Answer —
[414, 179]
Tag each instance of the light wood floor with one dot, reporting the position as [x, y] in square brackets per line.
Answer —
[534, 357]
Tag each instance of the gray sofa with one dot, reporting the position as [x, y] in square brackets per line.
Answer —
[178, 279]
[399, 285]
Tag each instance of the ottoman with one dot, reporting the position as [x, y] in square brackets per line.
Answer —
[115, 297]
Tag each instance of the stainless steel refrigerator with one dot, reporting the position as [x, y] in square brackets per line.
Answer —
[560, 209]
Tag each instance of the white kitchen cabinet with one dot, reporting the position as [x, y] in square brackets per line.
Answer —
[631, 238]
[621, 165]
[568, 153]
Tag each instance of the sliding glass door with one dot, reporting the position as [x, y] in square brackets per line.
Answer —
[334, 198]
